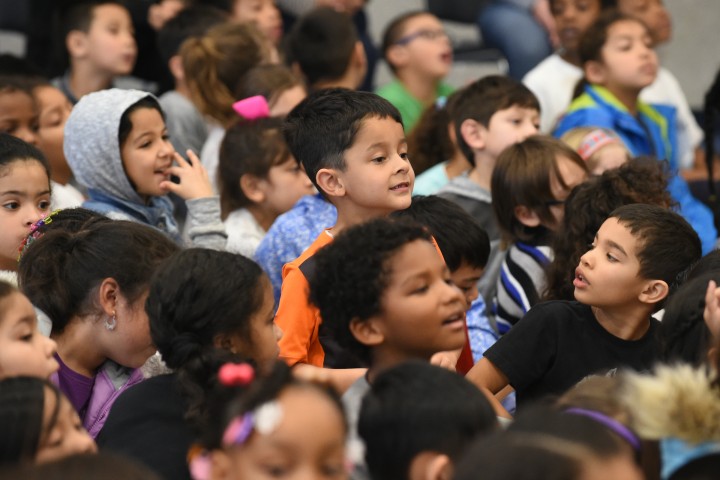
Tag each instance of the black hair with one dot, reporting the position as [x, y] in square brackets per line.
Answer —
[61, 269]
[324, 125]
[604, 4]
[395, 30]
[13, 149]
[249, 147]
[22, 403]
[196, 296]
[352, 273]
[429, 142]
[483, 98]
[667, 246]
[6, 289]
[458, 235]
[98, 466]
[16, 66]
[700, 468]
[416, 407]
[191, 21]
[126, 124]
[321, 42]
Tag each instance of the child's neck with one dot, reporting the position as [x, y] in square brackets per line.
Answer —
[628, 97]
[571, 57]
[73, 346]
[481, 173]
[422, 88]
[626, 323]
[85, 79]
[349, 214]
[457, 164]
[262, 216]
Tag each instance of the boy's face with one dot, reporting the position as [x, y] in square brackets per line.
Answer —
[466, 278]
[422, 311]
[608, 274]
[110, 41]
[19, 116]
[572, 176]
[378, 177]
[572, 18]
[54, 112]
[652, 13]
[508, 127]
[425, 48]
[147, 152]
[263, 13]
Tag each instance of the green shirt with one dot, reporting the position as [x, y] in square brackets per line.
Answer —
[410, 107]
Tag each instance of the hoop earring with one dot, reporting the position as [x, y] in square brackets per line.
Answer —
[111, 323]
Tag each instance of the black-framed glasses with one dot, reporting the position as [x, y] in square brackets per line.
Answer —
[426, 34]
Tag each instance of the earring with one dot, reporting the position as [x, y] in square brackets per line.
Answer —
[111, 322]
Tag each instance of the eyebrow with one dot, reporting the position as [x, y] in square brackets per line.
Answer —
[616, 246]
[384, 144]
[22, 194]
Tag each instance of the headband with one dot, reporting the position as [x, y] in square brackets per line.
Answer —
[624, 432]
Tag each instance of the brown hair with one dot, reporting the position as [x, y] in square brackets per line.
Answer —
[270, 81]
[429, 142]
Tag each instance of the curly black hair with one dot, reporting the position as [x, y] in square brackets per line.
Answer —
[352, 272]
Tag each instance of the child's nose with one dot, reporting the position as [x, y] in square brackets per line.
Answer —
[83, 442]
[278, 332]
[50, 346]
[27, 135]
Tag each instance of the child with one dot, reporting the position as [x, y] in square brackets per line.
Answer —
[619, 62]
[418, 51]
[625, 276]
[601, 149]
[281, 88]
[117, 146]
[399, 445]
[18, 111]
[530, 184]
[259, 180]
[100, 43]
[24, 193]
[263, 13]
[352, 147]
[492, 114]
[385, 297]
[589, 205]
[324, 48]
[23, 349]
[39, 423]
[98, 466]
[205, 308]
[263, 431]
[93, 285]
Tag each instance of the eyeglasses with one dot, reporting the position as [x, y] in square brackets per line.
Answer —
[426, 34]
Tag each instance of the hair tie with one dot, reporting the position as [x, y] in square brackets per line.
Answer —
[440, 103]
[236, 374]
[35, 232]
[265, 419]
[252, 108]
[594, 141]
[199, 462]
[618, 428]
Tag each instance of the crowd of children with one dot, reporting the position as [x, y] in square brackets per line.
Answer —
[243, 278]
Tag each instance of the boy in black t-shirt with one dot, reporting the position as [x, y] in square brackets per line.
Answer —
[636, 258]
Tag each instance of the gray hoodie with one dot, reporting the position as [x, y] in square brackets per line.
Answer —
[92, 150]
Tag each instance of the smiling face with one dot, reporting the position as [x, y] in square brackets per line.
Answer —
[109, 44]
[54, 111]
[572, 18]
[147, 152]
[18, 115]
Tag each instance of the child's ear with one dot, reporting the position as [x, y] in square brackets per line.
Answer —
[228, 342]
[474, 133]
[76, 43]
[108, 294]
[397, 56]
[251, 187]
[430, 466]
[654, 291]
[368, 332]
[220, 465]
[595, 72]
[176, 68]
[526, 216]
[330, 182]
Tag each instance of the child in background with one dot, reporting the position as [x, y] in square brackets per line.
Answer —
[39, 423]
[492, 114]
[281, 88]
[600, 148]
[259, 179]
[433, 148]
[18, 111]
[642, 180]
[98, 466]
[24, 194]
[263, 14]
[116, 144]
[630, 269]
[530, 184]
[263, 429]
[95, 301]
[385, 297]
[100, 43]
[398, 446]
[205, 308]
[214, 64]
[418, 51]
[618, 63]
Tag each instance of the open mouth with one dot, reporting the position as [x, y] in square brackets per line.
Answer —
[401, 186]
[580, 280]
[455, 321]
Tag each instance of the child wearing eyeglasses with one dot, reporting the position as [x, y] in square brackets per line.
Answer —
[419, 53]
[530, 183]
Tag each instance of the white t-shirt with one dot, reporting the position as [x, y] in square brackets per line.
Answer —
[65, 196]
[244, 233]
[553, 81]
[210, 153]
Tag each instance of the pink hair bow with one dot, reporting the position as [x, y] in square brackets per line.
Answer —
[252, 108]
[236, 374]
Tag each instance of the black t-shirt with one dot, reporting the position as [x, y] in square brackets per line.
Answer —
[557, 344]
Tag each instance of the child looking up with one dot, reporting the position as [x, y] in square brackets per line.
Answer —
[530, 184]
[630, 269]
[352, 147]
[117, 145]
[618, 63]
[418, 51]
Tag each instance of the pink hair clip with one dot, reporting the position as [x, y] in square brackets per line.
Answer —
[252, 108]
[594, 141]
[236, 374]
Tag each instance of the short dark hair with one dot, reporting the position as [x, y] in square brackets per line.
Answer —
[483, 98]
[667, 244]
[321, 42]
[80, 15]
[352, 272]
[191, 21]
[459, 236]
[324, 125]
[604, 4]
[395, 31]
[416, 407]
[126, 124]
[98, 466]
[13, 149]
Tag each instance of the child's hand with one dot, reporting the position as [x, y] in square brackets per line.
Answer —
[194, 181]
[712, 309]
[447, 360]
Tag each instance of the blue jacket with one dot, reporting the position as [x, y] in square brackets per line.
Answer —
[652, 132]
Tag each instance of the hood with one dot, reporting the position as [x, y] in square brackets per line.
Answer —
[91, 142]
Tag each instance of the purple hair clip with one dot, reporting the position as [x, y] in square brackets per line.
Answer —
[238, 430]
[35, 232]
[252, 108]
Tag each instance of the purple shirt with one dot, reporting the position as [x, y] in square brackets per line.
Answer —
[75, 386]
